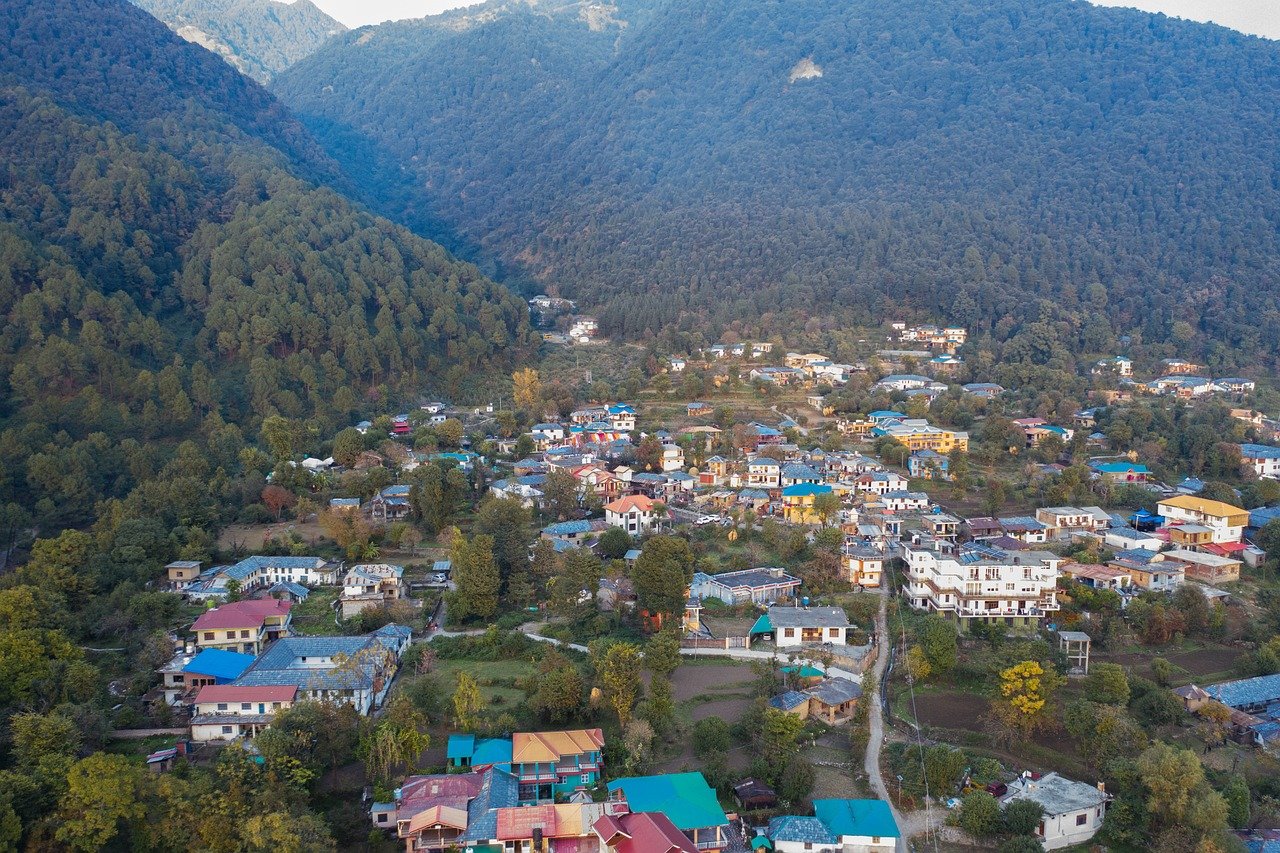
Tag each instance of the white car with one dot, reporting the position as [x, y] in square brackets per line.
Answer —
[705, 519]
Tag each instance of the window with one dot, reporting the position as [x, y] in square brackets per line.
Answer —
[231, 635]
[382, 817]
[208, 635]
[246, 706]
[226, 730]
[1081, 819]
[244, 634]
[222, 706]
[788, 632]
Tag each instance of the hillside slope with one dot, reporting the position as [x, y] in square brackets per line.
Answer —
[720, 160]
[173, 271]
[259, 38]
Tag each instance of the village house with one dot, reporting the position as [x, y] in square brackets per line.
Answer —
[928, 465]
[863, 565]
[558, 762]
[919, 434]
[1024, 528]
[1175, 366]
[1262, 459]
[799, 474]
[583, 329]
[839, 826]
[1120, 471]
[1063, 521]
[685, 799]
[226, 712]
[699, 409]
[983, 584]
[1073, 811]
[344, 506]
[763, 472]
[1126, 539]
[759, 586]
[1206, 568]
[678, 365]
[260, 572]
[831, 700]
[390, 504]
[904, 501]
[1117, 365]
[799, 503]
[182, 573]
[636, 514]
[1226, 522]
[641, 832]
[242, 626]
[795, 626]
[526, 490]
[188, 671]
[1236, 385]
[672, 458]
[1098, 576]
[355, 671]
[902, 382]
[1150, 570]
[371, 585]
[1181, 386]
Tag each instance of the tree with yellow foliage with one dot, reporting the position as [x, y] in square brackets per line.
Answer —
[526, 388]
[1025, 690]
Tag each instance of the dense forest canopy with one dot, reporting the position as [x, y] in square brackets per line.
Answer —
[260, 38]
[169, 270]
[946, 159]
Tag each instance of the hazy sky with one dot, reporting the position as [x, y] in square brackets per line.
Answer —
[1260, 17]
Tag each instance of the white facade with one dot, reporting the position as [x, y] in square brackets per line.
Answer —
[1073, 811]
[1262, 459]
[1016, 585]
[1227, 522]
[763, 474]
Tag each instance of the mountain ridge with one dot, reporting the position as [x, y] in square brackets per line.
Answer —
[666, 172]
[260, 38]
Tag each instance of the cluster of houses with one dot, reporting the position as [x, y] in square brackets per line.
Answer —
[947, 339]
[242, 665]
[1176, 377]
[1254, 704]
[533, 791]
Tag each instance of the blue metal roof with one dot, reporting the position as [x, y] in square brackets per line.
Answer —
[249, 565]
[500, 790]
[1246, 691]
[787, 701]
[279, 664]
[219, 663]
[801, 490]
[800, 829]
[1260, 516]
[568, 528]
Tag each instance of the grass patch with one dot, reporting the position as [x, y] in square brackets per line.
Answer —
[315, 616]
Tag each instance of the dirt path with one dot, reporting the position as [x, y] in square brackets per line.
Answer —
[916, 822]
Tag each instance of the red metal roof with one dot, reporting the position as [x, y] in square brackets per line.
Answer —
[650, 832]
[241, 614]
[246, 693]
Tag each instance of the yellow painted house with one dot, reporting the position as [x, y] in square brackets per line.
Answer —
[798, 502]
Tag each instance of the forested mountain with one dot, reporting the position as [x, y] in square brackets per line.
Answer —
[260, 38]
[170, 270]
[990, 162]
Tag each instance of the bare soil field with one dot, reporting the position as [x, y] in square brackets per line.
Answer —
[697, 681]
[247, 538]
[951, 710]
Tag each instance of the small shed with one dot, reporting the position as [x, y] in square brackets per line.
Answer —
[753, 794]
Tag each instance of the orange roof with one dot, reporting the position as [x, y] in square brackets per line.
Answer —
[630, 502]
[439, 816]
[550, 746]
[562, 820]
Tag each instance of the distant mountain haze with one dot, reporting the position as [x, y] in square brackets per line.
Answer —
[260, 38]
[1256, 17]
[685, 164]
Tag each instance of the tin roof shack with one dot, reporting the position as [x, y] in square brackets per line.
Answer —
[1073, 811]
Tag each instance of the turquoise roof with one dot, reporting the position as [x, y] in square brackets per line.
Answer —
[461, 746]
[763, 625]
[685, 798]
[857, 817]
[804, 489]
[805, 671]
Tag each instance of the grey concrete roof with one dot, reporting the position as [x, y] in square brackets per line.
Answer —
[1056, 794]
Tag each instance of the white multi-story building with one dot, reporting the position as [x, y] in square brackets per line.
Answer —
[1226, 522]
[1262, 458]
[983, 583]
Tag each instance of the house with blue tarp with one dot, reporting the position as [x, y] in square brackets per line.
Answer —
[187, 673]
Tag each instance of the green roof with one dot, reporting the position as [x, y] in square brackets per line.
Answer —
[763, 625]
[685, 798]
[761, 843]
[857, 817]
[805, 671]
